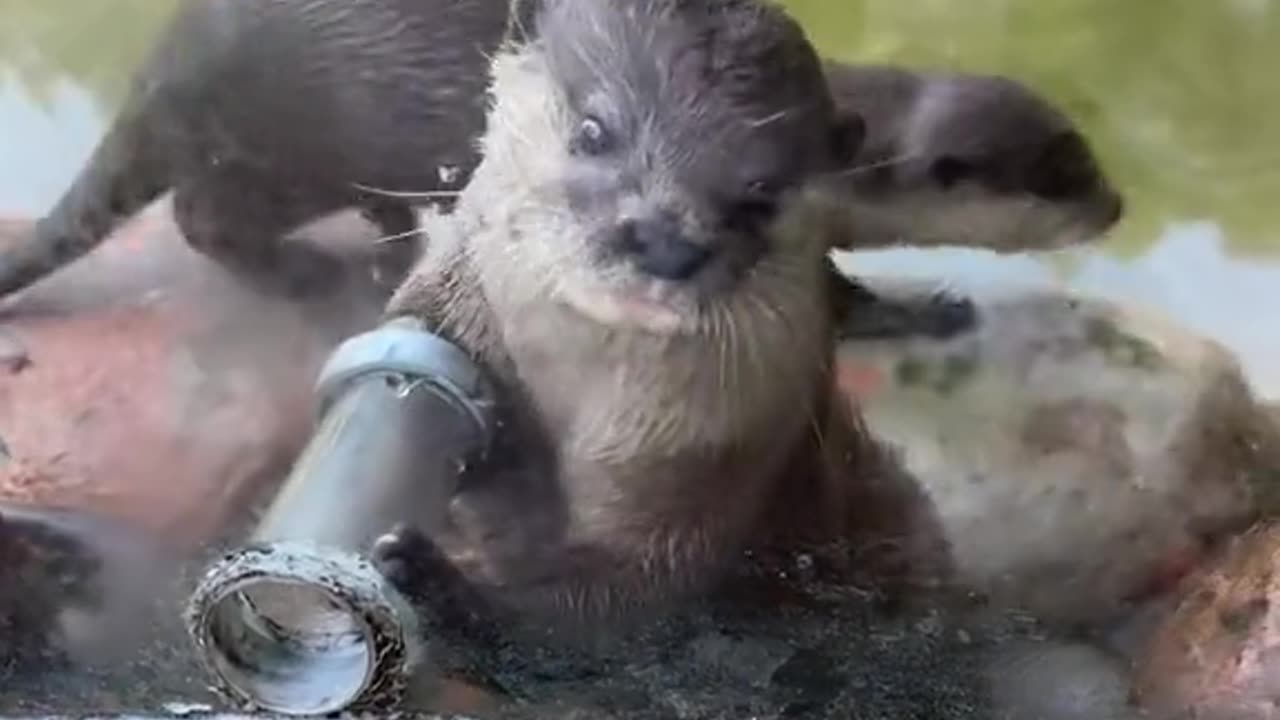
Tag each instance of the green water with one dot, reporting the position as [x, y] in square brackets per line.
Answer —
[1178, 96]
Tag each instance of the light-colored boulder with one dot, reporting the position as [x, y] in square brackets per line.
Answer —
[1079, 453]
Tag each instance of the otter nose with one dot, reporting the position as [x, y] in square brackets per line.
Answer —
[1114, 211]
[659, 248]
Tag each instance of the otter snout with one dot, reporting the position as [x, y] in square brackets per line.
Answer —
[659, 247]
[1112, 210]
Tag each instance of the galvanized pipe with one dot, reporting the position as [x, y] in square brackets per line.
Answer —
[299, 621]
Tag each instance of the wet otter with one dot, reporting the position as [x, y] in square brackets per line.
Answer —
[262, 117]
[958, 159]
[640, 260]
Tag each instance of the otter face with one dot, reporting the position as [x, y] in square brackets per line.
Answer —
[676, 145]
[983, 162]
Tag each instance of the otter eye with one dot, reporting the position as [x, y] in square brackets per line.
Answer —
[755, 207]
[590, 138]
[948, 170]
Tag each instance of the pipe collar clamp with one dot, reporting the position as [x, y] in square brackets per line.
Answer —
[403, 347]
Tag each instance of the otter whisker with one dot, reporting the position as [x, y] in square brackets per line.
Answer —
[384, 192]
[867, 167]
[399, 236]
[735, 349]
[770, 119]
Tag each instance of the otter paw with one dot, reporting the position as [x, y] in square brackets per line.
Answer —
[44, 558]
[945, 315]
[391, 263]
[411, 561]
[450, 608]
[939, 316]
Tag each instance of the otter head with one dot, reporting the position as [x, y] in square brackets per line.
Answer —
[659, 162]
[982, 161]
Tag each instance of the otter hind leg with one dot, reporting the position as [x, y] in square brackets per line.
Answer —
[238, 218]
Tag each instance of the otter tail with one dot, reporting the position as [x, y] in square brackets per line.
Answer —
[124, 174]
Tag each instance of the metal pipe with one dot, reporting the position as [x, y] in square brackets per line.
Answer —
[299, 621]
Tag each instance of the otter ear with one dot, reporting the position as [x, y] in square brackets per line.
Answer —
[847, 136]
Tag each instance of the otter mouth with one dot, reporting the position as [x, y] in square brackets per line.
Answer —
[650, 309]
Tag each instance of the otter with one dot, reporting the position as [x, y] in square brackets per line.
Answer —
[968, 159]
[640, 259]
[958, 159]
[264, 116]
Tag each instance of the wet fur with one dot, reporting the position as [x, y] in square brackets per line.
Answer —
[642, 467]
[970, 160]
[263, 116]
[965, 160]
[664, 455]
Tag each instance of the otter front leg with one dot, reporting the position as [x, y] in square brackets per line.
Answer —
[862, 314]
[569, 588]
[44, 569]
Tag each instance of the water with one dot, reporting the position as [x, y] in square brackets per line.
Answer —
[1178, 97]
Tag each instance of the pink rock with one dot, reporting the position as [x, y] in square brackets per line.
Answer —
[157, 388]
[1217, 656]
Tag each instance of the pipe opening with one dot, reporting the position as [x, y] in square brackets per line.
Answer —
[292, 647]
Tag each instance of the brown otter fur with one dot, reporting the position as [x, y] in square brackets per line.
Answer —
[667, 362]
[640, 258]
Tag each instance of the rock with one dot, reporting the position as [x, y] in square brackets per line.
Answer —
[1217, 657]
[166, 392]
[1079, 454]
[166, 398]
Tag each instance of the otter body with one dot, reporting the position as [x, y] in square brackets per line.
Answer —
[640, 260]
[262, 116]
[650, 291]
[265, 116]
